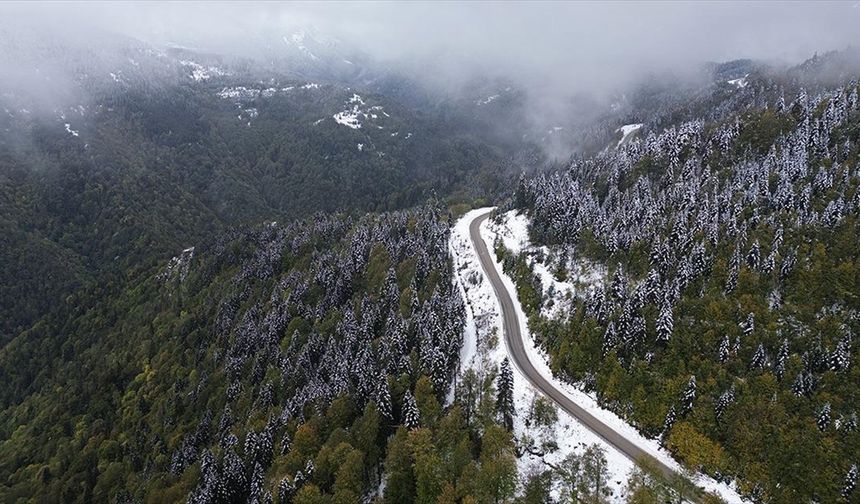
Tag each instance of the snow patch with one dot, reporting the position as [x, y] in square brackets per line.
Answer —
[202, 73]
[488, 100]
[739, 83]
[626, 131]
[357, 112]
[70, 131]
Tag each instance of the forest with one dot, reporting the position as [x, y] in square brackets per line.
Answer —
[725, 325]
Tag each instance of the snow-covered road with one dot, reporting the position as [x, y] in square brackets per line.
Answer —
[577, 427]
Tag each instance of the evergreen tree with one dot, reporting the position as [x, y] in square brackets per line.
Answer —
[688, 397]
[781, 359]
[383, 397]
[610, 339]
[823, 417]
[748, 326]
[668, 423]
[286, 491]
[850, 483]
[754, 256]
[840, 359]
[723, 402]
[759, 358]
[665, 323]
[410, 411]
[725, 349]
[505, 394]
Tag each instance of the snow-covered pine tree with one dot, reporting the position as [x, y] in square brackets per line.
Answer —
[725, 349]
[411, 415]
[748, 325]
[390, 290]
[688, 397]
[822, 418]
[754, 256]
[619, 283]
[723, 402]
[840, 358]
[652, 286]
[286, 490]
[849, 422]
[610, 339]
[671, 417]
[781, 360]
[731, 281]
[383, 397]
[665, 323]
[850, 483]
[255, 494]
[759, 358]
[505, 394]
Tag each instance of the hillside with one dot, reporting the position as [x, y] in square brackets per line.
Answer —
[725, 320]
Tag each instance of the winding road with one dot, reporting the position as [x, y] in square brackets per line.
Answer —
[520, 358]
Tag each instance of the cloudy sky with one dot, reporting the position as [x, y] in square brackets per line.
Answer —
[576, 43]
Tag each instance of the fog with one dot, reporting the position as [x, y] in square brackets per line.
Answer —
[554, 50]
[568, 45]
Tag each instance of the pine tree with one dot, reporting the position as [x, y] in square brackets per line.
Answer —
[619, 283]
[668, 423]
[724, 350]
[799, 386]
[840, 359]
[849, 422]
[665, 324]
[610, 339]
[748, 326]
[286, 443]
[411, 416]
[731, 281]
[754, 256]
[688, 397]
[505, 394]
[781, 359]
[850, 483]
[383, 397]
[823, 417]
[759, 359]
[390, 291]
[723, 402]
[255, 496]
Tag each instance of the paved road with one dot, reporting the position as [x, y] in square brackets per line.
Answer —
[520, 358]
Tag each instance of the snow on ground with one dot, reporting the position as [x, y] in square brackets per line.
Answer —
[356, 112]
[239, 93]
[70, 131]
[483, 319]
[626, 131]
[488, 100]
[582, 276]
[739, 83]
[202, 73]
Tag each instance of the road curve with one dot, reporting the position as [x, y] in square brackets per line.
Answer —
[511, 328]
